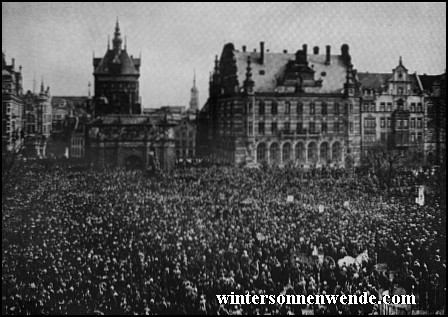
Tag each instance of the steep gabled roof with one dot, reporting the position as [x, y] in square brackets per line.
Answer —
[266, 75]
[375, 81]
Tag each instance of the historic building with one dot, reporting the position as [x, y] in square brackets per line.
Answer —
[185, 136]
[117, 80]
[12, 106]
[37, 121]
[280, 108]
[119, 134]
[69, 120]
[393, 110]
[434, 87]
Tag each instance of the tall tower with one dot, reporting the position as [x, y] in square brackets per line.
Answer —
[117, 80]
[194, 101]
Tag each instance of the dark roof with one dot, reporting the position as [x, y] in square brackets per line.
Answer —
[376, 81]
[124, 64]
[379, 81]
[266, 76]
[429, 80]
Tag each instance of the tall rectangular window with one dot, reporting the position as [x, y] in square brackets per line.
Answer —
[261, 108]
[352, 127]
[274, 108]
[419, 107]
[287, 107]
[324, 108]
[389, 106]
[287, 126]
[336, 108]
[312, 108]
[383, 122]
[299, 128]
[419, 123]
[383, 106]
[336, 127]
[300, 108]
[274, 127]
[324, 127]
[312, 127]
[389, 122]
[419, 137]
[261, 127]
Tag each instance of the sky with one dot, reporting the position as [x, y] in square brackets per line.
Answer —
[56, 41]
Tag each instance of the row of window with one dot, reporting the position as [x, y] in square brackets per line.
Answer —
[388, 106]
[274, 108]
[401, 138]
[338, 127]
[302, 152]
[401, 123]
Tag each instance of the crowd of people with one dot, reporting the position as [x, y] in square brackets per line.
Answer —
[79, 241]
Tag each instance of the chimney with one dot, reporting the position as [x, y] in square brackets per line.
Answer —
[244, 48]
[328, 55]
[285, 51]
[305, 49]
[316, 50]
[261, 53]
[13, 62]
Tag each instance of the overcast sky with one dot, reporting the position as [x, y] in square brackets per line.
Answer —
[56, 40]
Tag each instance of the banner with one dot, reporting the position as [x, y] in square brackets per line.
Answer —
[420, 195]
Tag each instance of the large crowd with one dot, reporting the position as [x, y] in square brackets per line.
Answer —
[79, 241]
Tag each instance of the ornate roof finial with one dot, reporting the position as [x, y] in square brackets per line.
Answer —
[401, 61]
[42, 86]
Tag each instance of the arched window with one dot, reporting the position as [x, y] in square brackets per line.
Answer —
[312, 152]
[300, 152]
[286, 153]
[324, 152]
[261, 152]
[336, 152]
[274, 153]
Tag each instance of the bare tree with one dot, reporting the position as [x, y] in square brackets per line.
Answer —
[384, 160]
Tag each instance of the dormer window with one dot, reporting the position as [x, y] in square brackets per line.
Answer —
[400, 75]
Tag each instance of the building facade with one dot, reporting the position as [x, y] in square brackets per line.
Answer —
[393, 110]
[117, 80]
[38, 121]
[12, 106]
[119, 134]
[280, 108]
[185, 138]
[434, 87]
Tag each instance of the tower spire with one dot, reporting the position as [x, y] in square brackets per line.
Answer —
[194, 101]
[118, 40]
